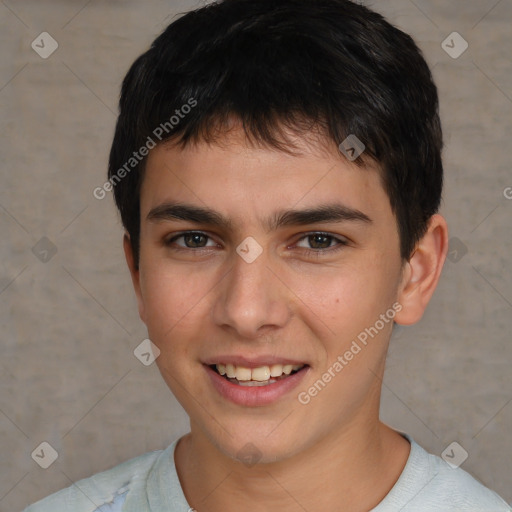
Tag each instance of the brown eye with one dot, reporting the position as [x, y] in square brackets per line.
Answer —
[195, 240]
[319, 241]
[191, 240]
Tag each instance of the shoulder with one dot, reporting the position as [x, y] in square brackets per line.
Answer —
[103, 492]
[458, 490]
[429, 484]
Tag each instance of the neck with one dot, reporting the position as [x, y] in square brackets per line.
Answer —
[351, 468]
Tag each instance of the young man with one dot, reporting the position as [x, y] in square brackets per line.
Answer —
[277, 168]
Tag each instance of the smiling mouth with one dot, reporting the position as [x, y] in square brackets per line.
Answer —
[260, 376]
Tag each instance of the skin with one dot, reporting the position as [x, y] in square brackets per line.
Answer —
[197, 303]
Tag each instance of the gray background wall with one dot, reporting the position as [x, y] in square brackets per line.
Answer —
[69, 323]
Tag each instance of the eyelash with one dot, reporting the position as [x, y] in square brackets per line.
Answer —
[317, 253]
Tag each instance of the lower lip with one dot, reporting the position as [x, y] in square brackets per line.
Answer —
[253, 396]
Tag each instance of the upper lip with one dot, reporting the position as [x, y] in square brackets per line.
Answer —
[251, 362]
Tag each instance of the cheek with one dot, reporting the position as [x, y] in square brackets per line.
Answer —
[337, 300]
[173, 300]
[348, 299]
[340, 295]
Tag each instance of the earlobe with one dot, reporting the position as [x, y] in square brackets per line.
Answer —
[422, 271]
[135, 274]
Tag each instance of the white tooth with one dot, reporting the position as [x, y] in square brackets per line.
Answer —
[276, 370]
[260, 374]
[287, 369]
[230, 371]
[242, 373]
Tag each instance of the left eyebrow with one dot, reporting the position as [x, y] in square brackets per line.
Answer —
[201, 215]
[318, 214]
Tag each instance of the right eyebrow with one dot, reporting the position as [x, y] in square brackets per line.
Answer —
[191, 213]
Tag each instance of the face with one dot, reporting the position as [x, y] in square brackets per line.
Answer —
[262, 263]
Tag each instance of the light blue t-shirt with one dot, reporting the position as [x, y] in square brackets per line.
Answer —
[149, 483]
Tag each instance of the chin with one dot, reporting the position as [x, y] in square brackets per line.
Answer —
[258, 447]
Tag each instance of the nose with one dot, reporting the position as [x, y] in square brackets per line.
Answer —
[251, 299]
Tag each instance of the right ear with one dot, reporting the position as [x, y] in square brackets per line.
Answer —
[134, 272]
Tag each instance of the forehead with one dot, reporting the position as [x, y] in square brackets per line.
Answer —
[236, 176]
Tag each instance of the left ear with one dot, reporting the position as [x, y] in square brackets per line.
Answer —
[422, 271]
